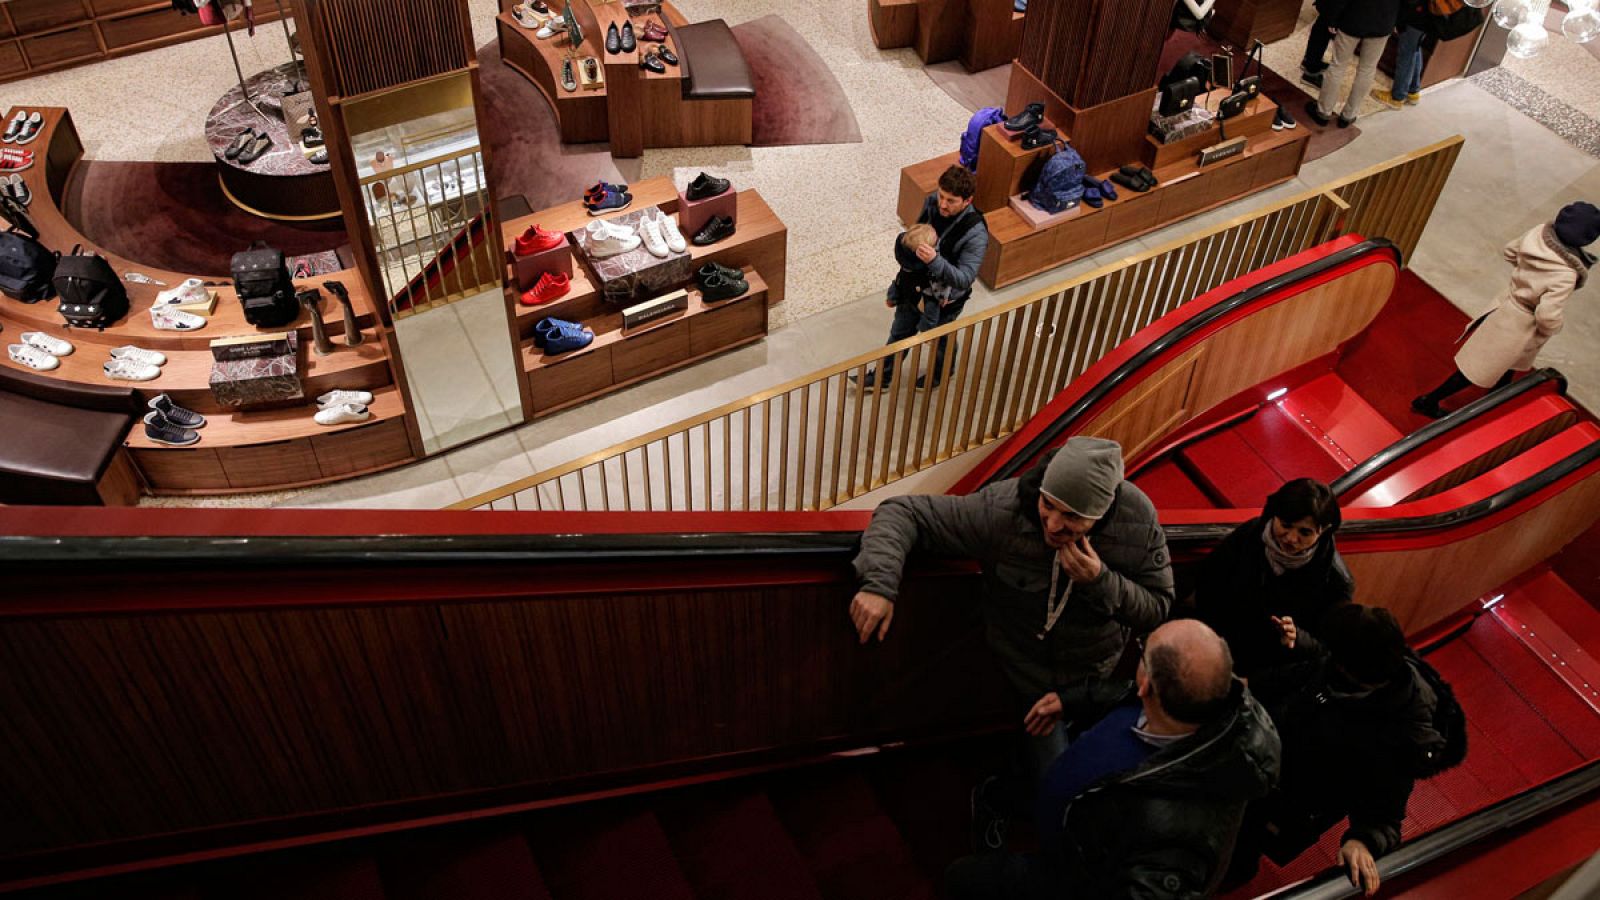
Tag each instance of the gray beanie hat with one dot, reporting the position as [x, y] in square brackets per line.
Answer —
[1084, 475]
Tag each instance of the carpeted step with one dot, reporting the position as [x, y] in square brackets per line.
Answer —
[1169, 487]
[1228, 469]
[731, 846]
[928, 798]
[849, 842]
[618, 852]
[301, 875]
[491, 867]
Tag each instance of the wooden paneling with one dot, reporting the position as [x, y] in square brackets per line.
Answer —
[1091, 52]
[31, 16]
[650, 352]
[893, 23]
[1242, 22]
[625, 108]
[360, 449]
[182, 468]
[560, 384]
[723, 325]
[108, 7]
[1154, 408]
[145, 27]
[1003, 167]
[119, 484]
[360, 59]
[993, 33]
[281, 462]
[61, 46]
[941, 29]
[11, 58]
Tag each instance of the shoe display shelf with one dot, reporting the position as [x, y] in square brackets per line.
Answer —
[981, 33]
[239, 450]
[618, 358]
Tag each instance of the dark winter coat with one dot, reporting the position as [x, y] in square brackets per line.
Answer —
[1361, 18]
[1165, 828]
[999, 527]
[1343, 757]
[1237, 594]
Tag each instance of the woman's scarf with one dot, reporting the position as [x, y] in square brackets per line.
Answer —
[1280, 559]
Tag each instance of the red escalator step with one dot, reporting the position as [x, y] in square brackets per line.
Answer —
[1342, 422]
[1226, 467]
[1169, 488]
[851, 845]
[929, 800]
[498, 867]
[299, 876]
[619, 853]
[1406, 350]
[731, 846]
[1288, 448]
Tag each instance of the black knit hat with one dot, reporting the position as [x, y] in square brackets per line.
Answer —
[1578, 224]
[1365, 641]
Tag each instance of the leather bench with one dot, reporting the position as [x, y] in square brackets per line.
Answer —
[61, 443]
[713, 63]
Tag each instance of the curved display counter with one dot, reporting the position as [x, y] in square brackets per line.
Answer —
[239, 450]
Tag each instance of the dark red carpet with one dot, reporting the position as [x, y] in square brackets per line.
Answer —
[1407, 350]
[798, 101]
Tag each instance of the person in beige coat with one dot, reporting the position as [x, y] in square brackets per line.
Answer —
[1548, 264]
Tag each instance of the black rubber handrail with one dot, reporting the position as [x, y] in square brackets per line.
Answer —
[1433, 430]
[1166, 342]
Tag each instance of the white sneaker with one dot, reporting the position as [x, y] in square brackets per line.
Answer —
[168, 319]
[32, 357]
[128, 370]
[604, 241]
[339, 398]
[526, 17]
[550, 29]
[653, 241]
[344, 412]
[51, 345]
[193, 290]
[669, 231]
[139, 355]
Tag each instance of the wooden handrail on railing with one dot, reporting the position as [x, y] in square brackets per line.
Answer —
[818, 441]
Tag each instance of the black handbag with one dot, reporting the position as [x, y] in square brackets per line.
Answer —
[26, 266]
[261, 280]
[92, 296]
[1250, 85]
[1179, 96]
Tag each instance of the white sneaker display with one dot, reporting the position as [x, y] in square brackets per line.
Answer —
[192, 290]
[526, 17]
[606, 239]
[128, 370]
[168, 319]
[32, 357]
[669, 231]
[139, 355]
[550, 29]
[339, 398]
[342, 413]
[653, 241]
[51, 345]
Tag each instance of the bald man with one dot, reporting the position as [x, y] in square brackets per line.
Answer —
[1149, 794]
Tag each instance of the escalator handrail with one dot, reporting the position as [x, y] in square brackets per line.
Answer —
[1172, 338]
[1455, 420]
[1508, 813]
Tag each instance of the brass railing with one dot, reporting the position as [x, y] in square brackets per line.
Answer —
[820, 441]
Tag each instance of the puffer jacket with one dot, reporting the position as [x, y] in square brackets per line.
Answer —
[1166, 828]
[999, 527]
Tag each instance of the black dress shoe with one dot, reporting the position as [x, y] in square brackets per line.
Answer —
[1032, 114]
[718, 228]
[706, 186]
[1346, 123]
[1131, 182]
[613, 39]
[239, 140]
[628, 42]
[649, 62]
[567, 81]
[253, 150]
[1316, 114]
[667, 55]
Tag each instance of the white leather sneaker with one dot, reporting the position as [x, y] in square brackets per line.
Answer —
[339, 398]
[341, 414]
[168, 319]
[604, 240]
[653, 241]
[669, 231]
[32, 357]
[128, 370]
[192, 290]
[550, 29]
[139, 355]
[51, 345]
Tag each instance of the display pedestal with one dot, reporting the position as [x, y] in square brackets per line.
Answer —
[694, 214]
[527, 269]
[282, 183]
[628, 278]
[981, 33]
[1003, 166]
[1106, 134]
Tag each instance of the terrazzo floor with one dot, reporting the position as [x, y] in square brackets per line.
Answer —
[838, 203]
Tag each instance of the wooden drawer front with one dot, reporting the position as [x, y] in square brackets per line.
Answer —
[1232, 181]
[37, 15]
[651, 351]
[107, 7]
[568, 380]
[63, 46]
[5, 27]
[177, 469]
[1277, 163]
[1075, 237]
[718, 327]
[1018, 258]
[263, 465]
[360, 449]
[11, 58]
[146, 26]
[1185, 197]
[1131, 214]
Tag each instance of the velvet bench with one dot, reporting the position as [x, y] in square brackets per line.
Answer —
[61, 443]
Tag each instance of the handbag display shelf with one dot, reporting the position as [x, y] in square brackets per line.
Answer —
[238, 450]
[616, 359]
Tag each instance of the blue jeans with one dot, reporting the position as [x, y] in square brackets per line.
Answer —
[912, 318]
[1408, 65]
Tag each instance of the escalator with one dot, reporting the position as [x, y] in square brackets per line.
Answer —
[671, 705]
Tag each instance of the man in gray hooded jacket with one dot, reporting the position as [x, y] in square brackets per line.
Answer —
[1074, 563]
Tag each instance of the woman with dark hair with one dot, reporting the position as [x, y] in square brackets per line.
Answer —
[1273, 571]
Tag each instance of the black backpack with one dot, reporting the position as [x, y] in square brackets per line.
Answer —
[92, 296]
[25, 265]
[1448, 719]
[261, 279]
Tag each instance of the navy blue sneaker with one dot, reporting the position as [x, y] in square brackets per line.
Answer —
[610, 202]
[568, 338]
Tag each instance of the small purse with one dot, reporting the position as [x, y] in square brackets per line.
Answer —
[1179, 96]
[1250, 85]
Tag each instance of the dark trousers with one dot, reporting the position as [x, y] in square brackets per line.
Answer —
[1003, 876]
[1317, 43]
[909, 320]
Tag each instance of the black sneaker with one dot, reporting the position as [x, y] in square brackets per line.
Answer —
[177, 415]
[707, 186]
[870, 381]
[159, 429]
[718, 228]
[1037, 137]
[711, 269]
[1312, 78]
[1316, 114]
[1281, 120]
[722, 287]
[613, 39]
[1032, 114]
[629, 44]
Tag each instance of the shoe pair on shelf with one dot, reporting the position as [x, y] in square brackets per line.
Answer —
[550, 286]
[39, 351]
[554, 26]
[1031, 116]
[704, 186]
[167, 318]
[661, 235]
[536, 240]
[343, 407]
[14, 187]
[620, 40]
[654, 31]
[13, 160]
[1097, 192]
[606, 239]
[606, 198]
[171, 424]
[248, 145]
[23, 128]
[555, 336]
[1135, 178]
[718, 282]
[715, 230]
[653, 60]
[130, 363]
[1281, 120]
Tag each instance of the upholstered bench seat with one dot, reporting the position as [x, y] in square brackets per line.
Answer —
[713, 62]
[57, 441]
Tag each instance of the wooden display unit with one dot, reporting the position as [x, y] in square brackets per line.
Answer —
[981, 33]
[1240, 23]
[238, 450]
[44, 35]
[616, 358]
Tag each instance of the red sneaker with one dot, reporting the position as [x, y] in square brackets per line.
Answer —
[535, 240]
[550, 286]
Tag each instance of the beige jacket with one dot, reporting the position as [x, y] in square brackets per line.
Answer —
[1544, 273]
